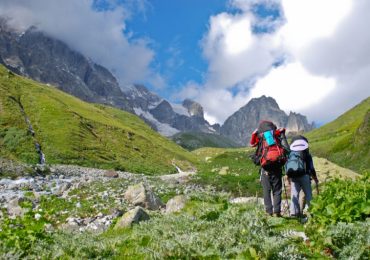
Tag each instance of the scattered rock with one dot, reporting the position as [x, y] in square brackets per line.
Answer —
[111, 174]
[133, 216]
[72, 225]
[178, 178]
[140, 195]
[176, 204]
[223, 170]
[63, 188]
[244, 200]
[14, 209]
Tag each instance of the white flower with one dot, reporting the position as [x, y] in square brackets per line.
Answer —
[37, 216]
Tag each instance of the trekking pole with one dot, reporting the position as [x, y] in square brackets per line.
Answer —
[286, 196]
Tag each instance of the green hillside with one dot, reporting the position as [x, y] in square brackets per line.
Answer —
[345, 140]
[194, 140]
[71, 131]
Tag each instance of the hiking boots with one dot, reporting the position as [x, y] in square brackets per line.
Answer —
[277, 215]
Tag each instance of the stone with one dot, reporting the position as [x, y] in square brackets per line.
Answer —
[63, 188]
[111, 174]
[135, 215]
[176, 204]
[14, 209]
[140, 195]
[244, 200]
[223, 170]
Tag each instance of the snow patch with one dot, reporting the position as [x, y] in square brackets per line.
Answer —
[179, 109]
[163, 129]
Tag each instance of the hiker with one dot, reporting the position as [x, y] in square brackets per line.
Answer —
[300, 170]
[270, 154]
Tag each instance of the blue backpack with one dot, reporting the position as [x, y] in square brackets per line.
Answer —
[295, 165]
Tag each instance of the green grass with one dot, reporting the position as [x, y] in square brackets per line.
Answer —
[71, 131]
[345, 140]
[194, 140]
[228, 170]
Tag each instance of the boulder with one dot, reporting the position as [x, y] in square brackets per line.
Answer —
[63, 188]
[14, 209]
[176, 204]
[111, 174]
[243, 200]
[140, 195]
[133, 216]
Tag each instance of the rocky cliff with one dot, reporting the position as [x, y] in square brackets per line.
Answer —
[239, 126]
[36, 55]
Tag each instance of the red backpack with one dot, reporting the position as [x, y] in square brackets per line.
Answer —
[270, 154]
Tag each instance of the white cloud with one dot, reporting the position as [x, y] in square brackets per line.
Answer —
[98, 35]
[233, 52]
[309, 20]
[326, 50]
[293, 86]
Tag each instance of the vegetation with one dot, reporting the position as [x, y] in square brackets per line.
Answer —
[228, 170]
[193, 140]
[74, 132]
[208, 227]
[339, 223]
[345, 140]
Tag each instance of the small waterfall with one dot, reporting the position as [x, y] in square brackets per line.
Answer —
[42, 159]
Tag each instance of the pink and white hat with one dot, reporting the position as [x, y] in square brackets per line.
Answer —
[299, 145]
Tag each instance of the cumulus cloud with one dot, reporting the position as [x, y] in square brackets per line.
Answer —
[234, 53]
[316, 60]
[281, 81]
[99, 35]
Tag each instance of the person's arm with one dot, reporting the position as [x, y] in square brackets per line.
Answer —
[312, 171]
[283, 140]
[254, 139]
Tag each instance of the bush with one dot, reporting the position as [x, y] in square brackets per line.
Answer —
[342, 201]
[336, 225]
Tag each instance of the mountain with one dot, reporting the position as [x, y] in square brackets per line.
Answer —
[195, 140]
[166, 118]
[43, 58]
[40, 122]
[239, 126]
[40, 57]
[345, 140]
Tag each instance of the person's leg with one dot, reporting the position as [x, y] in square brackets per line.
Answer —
[294, 204]
[302, 200]
[277, 185]
[265, 180]
[307, 189]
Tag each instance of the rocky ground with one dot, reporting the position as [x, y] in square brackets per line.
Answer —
[83, 199]
[92, 199]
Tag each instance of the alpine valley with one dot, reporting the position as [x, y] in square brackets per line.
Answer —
[90, 169]
[36, 55]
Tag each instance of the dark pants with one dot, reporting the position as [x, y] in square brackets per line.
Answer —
[271, 183]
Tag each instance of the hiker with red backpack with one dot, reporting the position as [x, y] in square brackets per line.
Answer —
[300, 169]
[272, 148]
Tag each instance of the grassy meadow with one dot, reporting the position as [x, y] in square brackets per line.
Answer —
[71, 131]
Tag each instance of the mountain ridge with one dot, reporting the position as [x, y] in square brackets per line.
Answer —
[43, 58]
[240, 125]
[345, 140]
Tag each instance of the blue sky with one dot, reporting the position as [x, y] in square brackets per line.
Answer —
[175, 29]
[312, 56]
